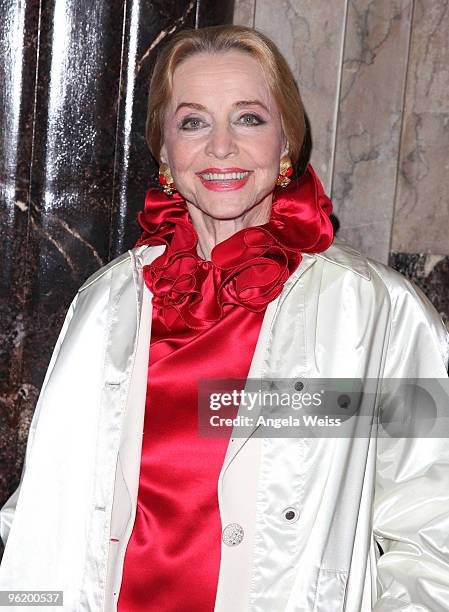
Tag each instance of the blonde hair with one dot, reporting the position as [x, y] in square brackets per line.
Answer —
[215, 39]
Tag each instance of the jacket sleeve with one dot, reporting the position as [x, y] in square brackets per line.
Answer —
[8, 509]
[411, 501]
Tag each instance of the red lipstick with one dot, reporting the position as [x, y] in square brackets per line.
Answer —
[226, 184]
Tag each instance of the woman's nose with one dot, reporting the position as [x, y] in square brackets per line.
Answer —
[221, 142]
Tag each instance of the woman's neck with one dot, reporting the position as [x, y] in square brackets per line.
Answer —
[212, 231]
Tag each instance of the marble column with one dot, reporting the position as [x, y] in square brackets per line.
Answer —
[74, 168]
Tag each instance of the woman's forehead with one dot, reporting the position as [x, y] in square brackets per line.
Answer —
[229, 77]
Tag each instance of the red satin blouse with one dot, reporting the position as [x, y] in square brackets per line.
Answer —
[205, 324]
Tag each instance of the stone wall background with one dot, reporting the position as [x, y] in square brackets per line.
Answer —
[374, 77]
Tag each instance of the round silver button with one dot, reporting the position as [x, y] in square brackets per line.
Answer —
[232, 534]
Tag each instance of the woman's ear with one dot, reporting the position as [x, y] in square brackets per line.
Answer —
[285, 150]
[163, 154]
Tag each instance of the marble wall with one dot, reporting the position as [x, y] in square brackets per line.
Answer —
[374, 78]
[74, 169]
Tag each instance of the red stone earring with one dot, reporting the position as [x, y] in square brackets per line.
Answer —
[166, 179]
[285, 170]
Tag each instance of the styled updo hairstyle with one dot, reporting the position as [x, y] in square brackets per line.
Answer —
[216, 39]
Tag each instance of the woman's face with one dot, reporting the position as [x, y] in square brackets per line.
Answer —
[222, 119]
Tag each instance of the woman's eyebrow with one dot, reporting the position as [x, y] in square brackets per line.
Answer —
[236, 104]
[251, 103]
[190, 105]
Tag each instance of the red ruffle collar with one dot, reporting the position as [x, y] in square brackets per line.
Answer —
[249, 268]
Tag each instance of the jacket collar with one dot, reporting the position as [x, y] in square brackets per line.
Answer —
[338, 253]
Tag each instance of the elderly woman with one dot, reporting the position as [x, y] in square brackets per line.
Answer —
[122, 505]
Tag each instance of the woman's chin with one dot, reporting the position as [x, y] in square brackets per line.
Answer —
[222, 206]
[226, 206]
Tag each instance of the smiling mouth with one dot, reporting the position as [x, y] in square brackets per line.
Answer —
[224, 179]
[223, 176]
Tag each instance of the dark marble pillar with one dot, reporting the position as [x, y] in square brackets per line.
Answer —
[74, 168]
[430, 273]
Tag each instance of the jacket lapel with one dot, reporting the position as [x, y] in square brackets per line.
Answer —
[130, 447]
[259, 363]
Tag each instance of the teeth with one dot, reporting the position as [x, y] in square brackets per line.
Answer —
[210, 176]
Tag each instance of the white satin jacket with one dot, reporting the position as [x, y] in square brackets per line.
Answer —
[339, 315]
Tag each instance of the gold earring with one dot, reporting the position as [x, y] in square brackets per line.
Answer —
[166, 179]
[285, 170]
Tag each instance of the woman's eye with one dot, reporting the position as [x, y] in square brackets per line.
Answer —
[190, 124]
[251, 119]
